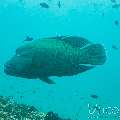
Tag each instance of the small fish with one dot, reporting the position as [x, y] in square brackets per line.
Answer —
[113, 1]
[114, 47]
[116, 22]
[44, 5]
[21, 0]
[116, 6]
[28, 38]
[94, 96]
[59, 4]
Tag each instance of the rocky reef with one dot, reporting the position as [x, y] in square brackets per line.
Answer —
[10, 110]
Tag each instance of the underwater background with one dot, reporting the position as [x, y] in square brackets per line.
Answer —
[96, 20]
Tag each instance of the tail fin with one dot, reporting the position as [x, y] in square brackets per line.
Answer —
[93, 54]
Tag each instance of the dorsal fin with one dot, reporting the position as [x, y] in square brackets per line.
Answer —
[73, 40]
[76, 41]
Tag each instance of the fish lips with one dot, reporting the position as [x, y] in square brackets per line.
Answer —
[9, 69]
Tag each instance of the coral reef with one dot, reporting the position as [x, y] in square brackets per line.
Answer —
[10, 110]
[53, 116]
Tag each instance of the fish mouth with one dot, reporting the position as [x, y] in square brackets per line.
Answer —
[9, 69]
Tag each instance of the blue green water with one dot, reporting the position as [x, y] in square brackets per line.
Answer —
[91, 19]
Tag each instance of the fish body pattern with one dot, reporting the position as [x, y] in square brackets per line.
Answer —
[55, 56]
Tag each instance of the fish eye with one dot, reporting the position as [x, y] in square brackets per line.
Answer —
[18, 55]
[23, 54]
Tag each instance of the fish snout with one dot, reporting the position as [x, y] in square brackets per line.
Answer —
[9, 68]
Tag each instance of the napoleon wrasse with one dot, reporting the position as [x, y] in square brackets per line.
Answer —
[55, 56]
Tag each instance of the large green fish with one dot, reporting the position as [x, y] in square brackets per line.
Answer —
[56, 56]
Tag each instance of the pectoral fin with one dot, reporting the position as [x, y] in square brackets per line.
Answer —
[47, 80]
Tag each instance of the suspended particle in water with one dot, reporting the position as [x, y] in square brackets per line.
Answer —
[18, 92]
[116, 22]
[103, 14]
[11, 87]
[34, 91]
